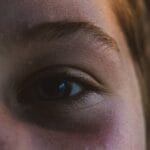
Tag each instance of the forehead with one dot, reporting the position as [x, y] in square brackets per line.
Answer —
[21, 14]
[53, 9]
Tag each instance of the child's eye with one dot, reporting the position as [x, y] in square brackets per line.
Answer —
[57, 89]
[51, 97]
[57, 85]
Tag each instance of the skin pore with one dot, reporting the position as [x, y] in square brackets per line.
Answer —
[35, 44]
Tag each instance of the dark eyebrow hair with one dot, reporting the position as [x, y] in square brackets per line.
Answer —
[54, 30]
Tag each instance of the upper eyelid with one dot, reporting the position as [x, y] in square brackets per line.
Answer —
[67, 71]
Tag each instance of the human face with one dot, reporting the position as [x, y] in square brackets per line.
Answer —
[97, 105]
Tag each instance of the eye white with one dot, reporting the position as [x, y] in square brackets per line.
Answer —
[76, 88]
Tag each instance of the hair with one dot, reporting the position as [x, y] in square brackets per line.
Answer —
[133, 21]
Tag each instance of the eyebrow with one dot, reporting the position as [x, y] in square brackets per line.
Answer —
[52, 31]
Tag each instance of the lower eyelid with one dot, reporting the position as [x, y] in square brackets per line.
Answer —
[86, 101]
[89, 101]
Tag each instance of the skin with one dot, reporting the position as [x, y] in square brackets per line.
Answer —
[111, 120]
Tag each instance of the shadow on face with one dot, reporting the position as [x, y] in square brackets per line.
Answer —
[67, 79]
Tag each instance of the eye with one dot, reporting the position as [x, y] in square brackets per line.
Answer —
[55, 88]
[56, 85]
[52, 97]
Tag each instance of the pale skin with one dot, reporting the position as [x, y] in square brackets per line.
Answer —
[110, 119]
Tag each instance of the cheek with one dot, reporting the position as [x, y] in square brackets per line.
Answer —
[116, 126]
